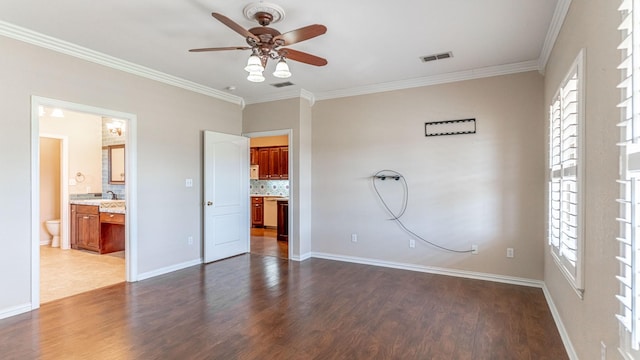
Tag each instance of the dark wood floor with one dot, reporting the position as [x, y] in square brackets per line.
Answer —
[263, 307]
[265, 242]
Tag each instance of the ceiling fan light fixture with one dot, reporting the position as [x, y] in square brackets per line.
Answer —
[255, 76]
[282, 70]
[254, 64]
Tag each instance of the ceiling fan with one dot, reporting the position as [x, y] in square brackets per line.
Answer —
[267, 43]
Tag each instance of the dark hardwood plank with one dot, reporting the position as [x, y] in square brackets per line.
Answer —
[262, 307]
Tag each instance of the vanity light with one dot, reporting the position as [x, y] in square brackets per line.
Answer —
[57, 113]
[115, 128]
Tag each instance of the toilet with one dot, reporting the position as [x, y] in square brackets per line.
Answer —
[53, 227]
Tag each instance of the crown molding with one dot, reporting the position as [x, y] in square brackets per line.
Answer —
[64, 47]
[479, 73]
[308, 95]
[562, 8]
[432, 80]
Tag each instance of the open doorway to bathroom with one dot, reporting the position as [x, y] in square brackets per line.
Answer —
[270, 189]
[81, 199]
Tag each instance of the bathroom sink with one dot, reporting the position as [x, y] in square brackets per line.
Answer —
[108, 204]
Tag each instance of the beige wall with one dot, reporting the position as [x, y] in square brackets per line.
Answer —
[592, 25]
[84, 134]
[170, 122]
[291, 114]
[49, 184]
[485, 189]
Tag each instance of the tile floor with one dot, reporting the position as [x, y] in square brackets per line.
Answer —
[68, 272]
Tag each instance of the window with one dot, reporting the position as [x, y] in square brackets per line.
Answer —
[629, 181]
[565, 166]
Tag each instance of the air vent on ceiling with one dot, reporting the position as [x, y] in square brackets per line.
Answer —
[282, 84]
[436, 57]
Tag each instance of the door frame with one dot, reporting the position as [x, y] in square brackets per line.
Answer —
[131, 231]
[292, 182]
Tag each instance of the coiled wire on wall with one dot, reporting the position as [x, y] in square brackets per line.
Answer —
[391, 174]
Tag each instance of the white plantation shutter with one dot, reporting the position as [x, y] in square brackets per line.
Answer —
[565, 136]
[629, 176]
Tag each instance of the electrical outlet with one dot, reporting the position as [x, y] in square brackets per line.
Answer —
[190, 240]
[510, 252]
[354, 237]
[603, 350]
[412, 243]
[474, 249]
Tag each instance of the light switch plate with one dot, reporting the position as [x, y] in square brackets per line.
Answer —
[188, 182]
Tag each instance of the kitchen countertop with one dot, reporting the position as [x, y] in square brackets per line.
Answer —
[277, 197]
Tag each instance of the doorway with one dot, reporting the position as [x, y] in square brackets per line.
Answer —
[76, 269]
[270, 194]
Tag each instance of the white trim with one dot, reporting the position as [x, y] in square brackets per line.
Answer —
[302, 257]
[168, 269]
[560, 13]
[432, 270]
[564, 335]
[35, 204]
[15, 310]
[29, 36]
[45, 242]
[432, 80]
[293, 238]
[131, 238]
[309, 96]
[405, 84]
[64, 47]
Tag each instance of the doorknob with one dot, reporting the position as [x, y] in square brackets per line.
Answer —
[209, 203]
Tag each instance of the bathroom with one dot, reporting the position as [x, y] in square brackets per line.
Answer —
[75, 164]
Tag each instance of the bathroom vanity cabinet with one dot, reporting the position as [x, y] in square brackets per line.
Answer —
[85, 227]
[102, 232]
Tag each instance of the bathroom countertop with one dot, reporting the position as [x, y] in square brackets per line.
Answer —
[108, 206]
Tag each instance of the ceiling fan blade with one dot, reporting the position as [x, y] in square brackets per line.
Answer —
[302, 34]
[234, 26]
[221, 48]
[302, 57]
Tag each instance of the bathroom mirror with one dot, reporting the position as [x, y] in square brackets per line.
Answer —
[116, 164]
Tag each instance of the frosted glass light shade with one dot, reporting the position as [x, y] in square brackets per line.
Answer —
[282, 70]
[254, 64]
[255, 76]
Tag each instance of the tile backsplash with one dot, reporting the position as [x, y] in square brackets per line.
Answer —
[269, 187]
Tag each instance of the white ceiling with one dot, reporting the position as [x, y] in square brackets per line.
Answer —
[368, 43]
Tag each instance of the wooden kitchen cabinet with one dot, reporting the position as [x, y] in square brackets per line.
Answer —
[254, 156]
[283, 220]
[86, 234]
[273, 163]
[264, 172]
[257, 212]
[284, 163]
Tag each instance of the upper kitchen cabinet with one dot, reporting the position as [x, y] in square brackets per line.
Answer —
[273, 163]
[254, 156]
[284, 163]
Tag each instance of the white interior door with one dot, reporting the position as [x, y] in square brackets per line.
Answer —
[226, 195]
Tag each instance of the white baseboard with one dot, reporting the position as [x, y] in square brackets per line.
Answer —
[15, 310]
[45, 242]
[560, 325]
[302, 257]
[168, 269]
[433, 270]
